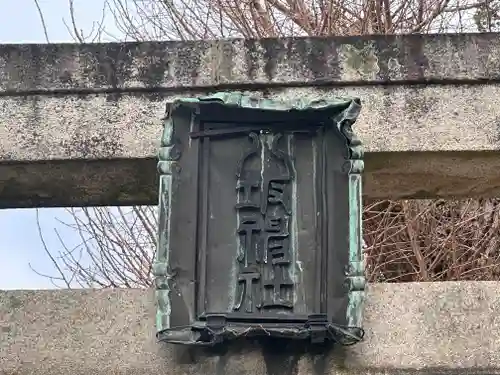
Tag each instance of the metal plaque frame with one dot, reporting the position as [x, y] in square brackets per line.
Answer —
[259, 220]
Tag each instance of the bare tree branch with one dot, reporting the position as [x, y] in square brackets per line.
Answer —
[42, 20]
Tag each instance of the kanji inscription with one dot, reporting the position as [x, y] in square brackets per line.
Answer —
[263, 207]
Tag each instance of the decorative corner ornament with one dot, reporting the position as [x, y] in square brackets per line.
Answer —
[259, 221]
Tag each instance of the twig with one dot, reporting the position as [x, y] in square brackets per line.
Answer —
[42, 20]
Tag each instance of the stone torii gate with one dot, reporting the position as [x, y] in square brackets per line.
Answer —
[80, 125]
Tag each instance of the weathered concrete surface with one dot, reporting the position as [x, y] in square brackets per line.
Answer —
[77, 183]
[168, 65]
[393, 118]
[405, 130]
[430, 104]
[410, 328]
[134, 181]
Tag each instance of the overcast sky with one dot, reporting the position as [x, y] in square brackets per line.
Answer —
[20, 243]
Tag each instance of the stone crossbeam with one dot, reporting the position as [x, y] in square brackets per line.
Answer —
[80, 124]
[413, 328]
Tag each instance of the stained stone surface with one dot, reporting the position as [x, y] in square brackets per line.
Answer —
[410, 328]
[169, 65]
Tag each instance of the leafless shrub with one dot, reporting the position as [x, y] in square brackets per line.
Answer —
[116, 248]
[411, 240]
[209, 19]
[432, 240]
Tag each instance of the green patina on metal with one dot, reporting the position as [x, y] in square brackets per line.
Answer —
[244, 110]
[341, 108]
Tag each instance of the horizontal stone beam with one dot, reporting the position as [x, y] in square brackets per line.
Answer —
[29, 68]
[74, 150]
[80, 124]
[410, 328]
